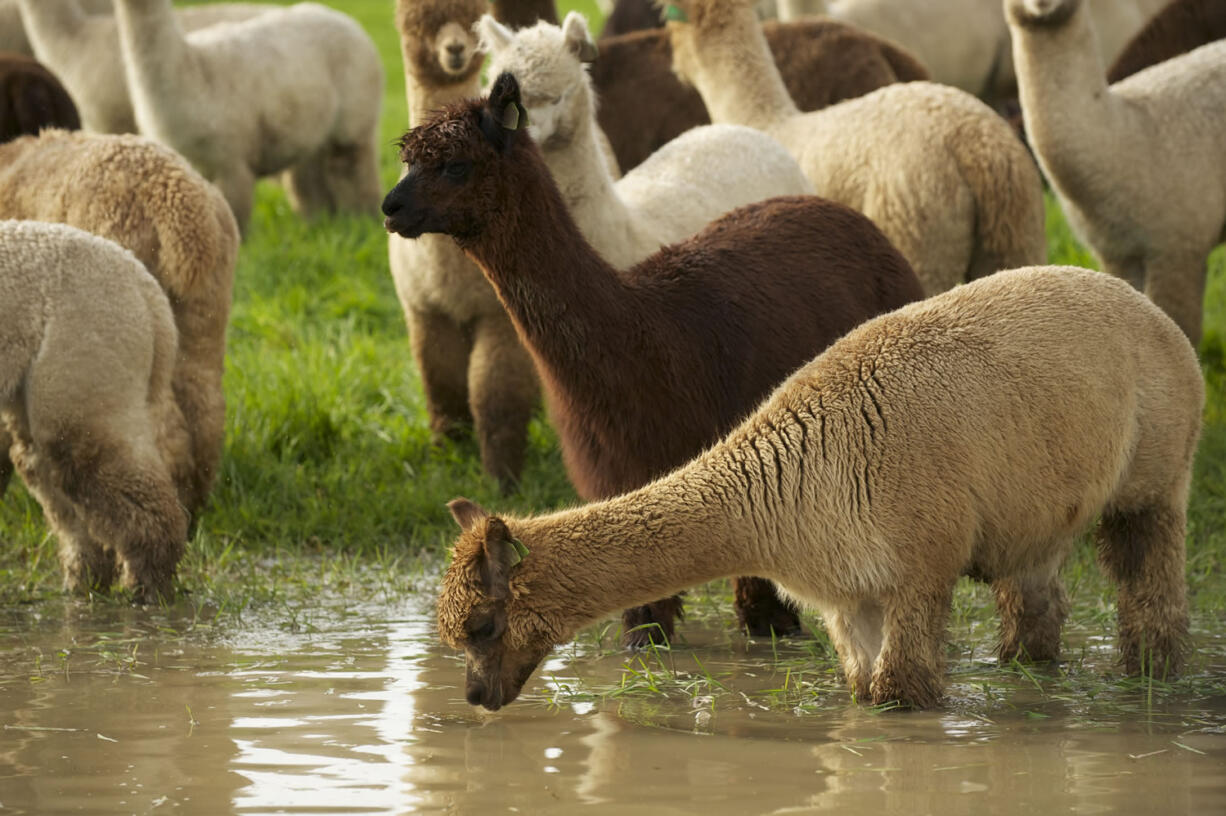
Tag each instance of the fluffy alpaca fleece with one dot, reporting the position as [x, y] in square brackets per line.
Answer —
[523, 13]
[31, 98]
[916, 449]
[473, 369]
[147, 199]
[87, 346]
[937, 170]
[1177, 29]
[643, 105]
[1139, 166]
[644, 368]
[79, 41]
[296, 89]
[698, 176]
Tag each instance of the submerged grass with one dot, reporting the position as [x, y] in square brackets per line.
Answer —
[332, 484]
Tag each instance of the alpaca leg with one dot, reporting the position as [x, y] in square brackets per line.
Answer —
[910, 667]
[503, 395]
[237, 186]
[651, 623]
[441, 347]
[1032, 609]
[1175, 281]
[1143, 550]
[306, 185]
[6, 464]
[761, 611]
[336, 178]
[856, 633]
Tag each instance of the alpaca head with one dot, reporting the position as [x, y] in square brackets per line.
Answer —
[551, 66]
[1041, 13]
[438, 40]
[691, 23]
[454, 182]
[482, 609]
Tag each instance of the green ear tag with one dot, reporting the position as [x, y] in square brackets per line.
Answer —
[518, 551]
[510, 116]
[675, 14]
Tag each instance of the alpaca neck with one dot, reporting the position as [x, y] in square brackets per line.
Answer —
[424, 97]
[52, 25]
[735, 73]
[637, 548]
[1061, 81]
[156, 53]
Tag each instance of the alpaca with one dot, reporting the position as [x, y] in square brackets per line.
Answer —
[31, 98]
[698, 176]
[1177, 29]
[1139, 167]
[644, 368]
[979, 432]
[79, 42]
[631, 15]
[13, 34]
[941, 174]
[87, 349]
[523, 13]
[643, 105]
[474, 372]
[147, 199]
[296, 89]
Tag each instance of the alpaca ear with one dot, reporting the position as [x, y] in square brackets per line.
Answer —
[503, 114]
[502, 551]
[466, 513]
[492, 36]
[577, 37]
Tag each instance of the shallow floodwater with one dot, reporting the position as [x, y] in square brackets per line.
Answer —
[358, 709]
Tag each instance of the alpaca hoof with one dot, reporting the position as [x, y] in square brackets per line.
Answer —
[761, 612]
[652, 624]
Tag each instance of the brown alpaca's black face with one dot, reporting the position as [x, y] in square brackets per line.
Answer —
[495, 674]
[429, 199]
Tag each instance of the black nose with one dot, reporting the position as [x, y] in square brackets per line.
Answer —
[456, 48]
[391, 203]
[474, 693]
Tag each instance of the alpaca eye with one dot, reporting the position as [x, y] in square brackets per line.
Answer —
[483, 632]
[457, 170]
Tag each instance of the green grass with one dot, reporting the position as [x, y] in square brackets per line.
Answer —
[331, 482]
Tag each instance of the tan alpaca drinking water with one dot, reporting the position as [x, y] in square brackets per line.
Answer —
[978, 432]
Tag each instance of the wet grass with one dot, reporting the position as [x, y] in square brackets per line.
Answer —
[332, 485]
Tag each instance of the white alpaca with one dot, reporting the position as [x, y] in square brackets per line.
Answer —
[87, 348]
[79, 42]
[296, 89]
[938, 171]
[689, 182]
[1139, 166]
[965, 43]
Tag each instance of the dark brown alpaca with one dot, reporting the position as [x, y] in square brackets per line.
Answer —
[644, 368]
[632, 15]
[523, 13]
[1177, 29]
[643, 105]
[31, 98]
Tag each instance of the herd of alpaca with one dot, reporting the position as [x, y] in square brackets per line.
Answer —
[781, 345]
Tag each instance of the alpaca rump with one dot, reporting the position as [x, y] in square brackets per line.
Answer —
[295, 90]
[147, 199]
[523, 13]
[978, 432]
[699, 332]
[31, 98]
[474, 371]
[1180, 27]
[87, 346]
[1139, 167]
[682, 187]
[643, 105]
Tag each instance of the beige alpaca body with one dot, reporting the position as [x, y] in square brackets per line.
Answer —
[474, 371]
[682, 187]
[87, 346]
[1139, 166]
[940, 173]
[150, 201]
[297, 89]
[79, 41]
[978, 432]
[13, 33]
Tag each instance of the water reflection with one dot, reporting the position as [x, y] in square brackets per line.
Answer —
[115, 710]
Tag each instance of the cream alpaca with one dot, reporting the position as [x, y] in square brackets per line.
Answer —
[978, 432]
[692, 180]
[79, 41]
[473, 368]
[1139, 166]
[150, 201]
[87, 348]
[297, 89]
[941, 174]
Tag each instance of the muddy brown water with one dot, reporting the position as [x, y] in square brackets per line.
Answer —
[342, 708]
